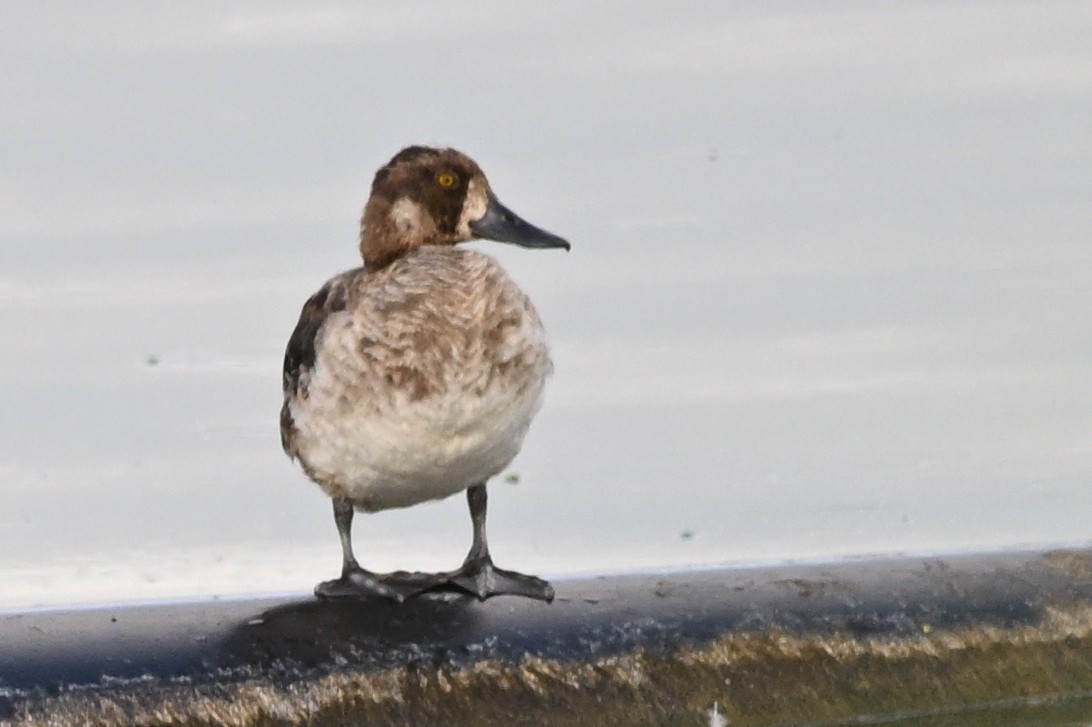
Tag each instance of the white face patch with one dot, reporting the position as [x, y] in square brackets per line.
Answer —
[407, 216]
[477, 200]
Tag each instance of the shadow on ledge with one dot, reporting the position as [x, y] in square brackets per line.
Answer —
[888, 639]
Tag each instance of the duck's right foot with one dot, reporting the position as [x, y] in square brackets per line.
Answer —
[360, 583]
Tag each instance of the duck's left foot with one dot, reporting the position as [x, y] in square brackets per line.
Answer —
[479, 577]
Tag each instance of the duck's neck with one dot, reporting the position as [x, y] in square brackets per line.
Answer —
[389, 230]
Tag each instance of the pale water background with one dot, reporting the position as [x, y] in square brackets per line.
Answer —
[830, 291]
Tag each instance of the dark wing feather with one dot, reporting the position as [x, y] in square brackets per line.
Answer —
[299, 355]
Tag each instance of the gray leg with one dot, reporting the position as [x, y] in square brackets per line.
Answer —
[478, 576]
[355, 581]
[343, 517]
[478, 499]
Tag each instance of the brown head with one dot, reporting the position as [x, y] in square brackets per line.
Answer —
[426, 196]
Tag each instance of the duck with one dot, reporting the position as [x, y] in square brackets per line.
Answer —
[416, 375]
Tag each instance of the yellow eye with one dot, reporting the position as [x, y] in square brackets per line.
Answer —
[445, 180]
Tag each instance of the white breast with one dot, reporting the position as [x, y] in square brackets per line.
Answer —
[425, 385]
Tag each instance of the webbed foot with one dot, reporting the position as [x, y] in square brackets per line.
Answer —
[398, 586]
[479, 577]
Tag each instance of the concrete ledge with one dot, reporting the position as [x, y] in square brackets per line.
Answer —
[892, 639]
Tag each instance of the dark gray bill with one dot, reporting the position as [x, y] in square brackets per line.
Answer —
[503, 225]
